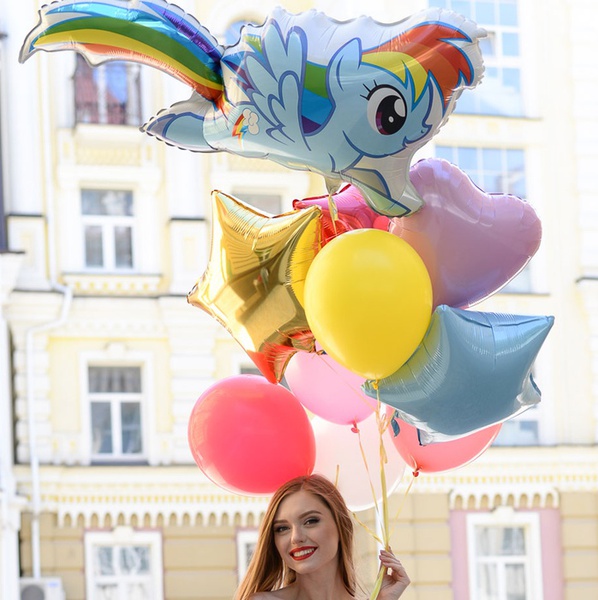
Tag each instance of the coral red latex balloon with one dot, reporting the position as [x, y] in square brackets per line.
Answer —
[250, 436]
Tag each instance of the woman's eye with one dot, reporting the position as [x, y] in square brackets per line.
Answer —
[280, 529]
[312, 521]
[387, 110]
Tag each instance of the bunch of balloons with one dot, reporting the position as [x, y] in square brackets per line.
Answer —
[361, 296]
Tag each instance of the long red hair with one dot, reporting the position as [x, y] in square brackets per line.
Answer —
[267, 571]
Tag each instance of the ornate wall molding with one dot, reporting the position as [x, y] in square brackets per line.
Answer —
[106, 496]
[146, 496]
[522, 477]
[109, 285]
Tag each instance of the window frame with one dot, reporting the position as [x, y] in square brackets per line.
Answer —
[503, 517]
[115, 401]
[117, 356]
[108, 225]
[249, 196]
[126, 536]
[243, 539]
[479, 149]
[131, 116]
[498, 60]
[541, 415]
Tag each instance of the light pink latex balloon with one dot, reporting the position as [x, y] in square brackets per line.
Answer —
[337, 447]
[440, 456]
[471, 242]
[327, 389]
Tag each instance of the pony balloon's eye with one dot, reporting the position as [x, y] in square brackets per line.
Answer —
[387, 110]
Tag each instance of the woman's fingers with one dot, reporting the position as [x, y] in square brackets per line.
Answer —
[390, 561]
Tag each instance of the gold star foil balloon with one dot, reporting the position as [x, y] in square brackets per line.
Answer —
[253, 284]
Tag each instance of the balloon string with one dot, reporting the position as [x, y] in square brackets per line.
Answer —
[385, 526]
[382, 423]
[400, 509]
[367, 469]
[383, 460]
[332, 208]
[368, 529]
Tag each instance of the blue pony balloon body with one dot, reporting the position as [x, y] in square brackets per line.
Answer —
[341, 99]
[351, 100]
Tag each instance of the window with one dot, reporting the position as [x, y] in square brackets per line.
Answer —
[253, 370]
[494, 170]
[107, 94]
[107, 217]
[246, 542]
[123, 564]
[500, 92]
[115, 397]
[520, 431]
[531, 427]
[267, 202]
[504, 555]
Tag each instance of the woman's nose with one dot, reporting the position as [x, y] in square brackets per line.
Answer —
[297, 535]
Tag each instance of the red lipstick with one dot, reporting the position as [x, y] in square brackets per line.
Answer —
[302, 553]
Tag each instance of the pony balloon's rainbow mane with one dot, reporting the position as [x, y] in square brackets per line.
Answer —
[153, 33]
[424, 53]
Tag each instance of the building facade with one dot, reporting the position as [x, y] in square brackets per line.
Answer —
[105, 230]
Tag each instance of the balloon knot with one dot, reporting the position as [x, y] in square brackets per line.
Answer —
[375, 384]
[355, 429]
[416, 473]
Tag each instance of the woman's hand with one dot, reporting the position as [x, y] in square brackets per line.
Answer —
[395, 580]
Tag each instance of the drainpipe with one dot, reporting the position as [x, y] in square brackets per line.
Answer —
[62, 318]
[33, 455]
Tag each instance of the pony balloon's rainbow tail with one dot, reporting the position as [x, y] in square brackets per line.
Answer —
[148, 32]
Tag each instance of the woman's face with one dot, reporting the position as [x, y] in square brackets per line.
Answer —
[305, 533]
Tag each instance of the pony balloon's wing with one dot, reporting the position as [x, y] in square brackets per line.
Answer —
[269, 72]
[259, 114]
[181, 125]
[152, 33]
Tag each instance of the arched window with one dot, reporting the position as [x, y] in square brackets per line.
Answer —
[107, 94]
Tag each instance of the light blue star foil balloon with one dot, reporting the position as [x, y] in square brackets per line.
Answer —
[472, 370]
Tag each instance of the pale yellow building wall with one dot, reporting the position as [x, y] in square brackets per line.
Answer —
[62, 553]
[200, 560]
[579, 513]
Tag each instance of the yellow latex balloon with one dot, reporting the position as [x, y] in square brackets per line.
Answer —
[368, 301]
[255, 277]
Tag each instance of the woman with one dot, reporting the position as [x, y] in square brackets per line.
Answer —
[305, 548]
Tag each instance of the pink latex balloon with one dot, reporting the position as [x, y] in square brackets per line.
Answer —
[471, 242]
[353, 213]
[250, 436]
[441, 456]
[338, 452]
[327, 389]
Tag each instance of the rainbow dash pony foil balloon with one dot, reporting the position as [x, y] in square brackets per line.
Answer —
[351, 100]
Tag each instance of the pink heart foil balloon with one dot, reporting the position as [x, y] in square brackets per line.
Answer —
[471, 242]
